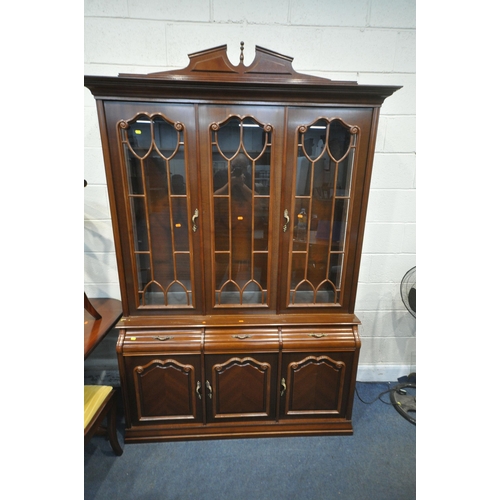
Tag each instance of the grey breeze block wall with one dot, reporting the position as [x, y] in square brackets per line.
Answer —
[370, 41]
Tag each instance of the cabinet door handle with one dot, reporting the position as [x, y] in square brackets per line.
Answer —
[163, 338]
[287, 218]
[209, 387]
[241, 337]
[195, 216]
[318, 335]
[283, 386]
[198, 387]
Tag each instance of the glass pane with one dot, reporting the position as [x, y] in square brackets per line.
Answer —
[262, 174]
[139, 224]
[344, 175]
[325, 158]
[229, 294]
[260, 269]
[182, 268]
[221, 269]
[161, 245]
[298, 269]
[177, 295]
[303, 176]
[254, 138]
[154, 153]
[335, 273]
[261, 225]
[339, 139]
[139, 136]
[181, 222]
[314, 140]
[134, 172]
[241, 177]
[166, 137]
[339, 224]
[253, 294]
[153, 295]
[301, 225]
[326, 293]
[221, 223]
[143, 270]
[227, 138]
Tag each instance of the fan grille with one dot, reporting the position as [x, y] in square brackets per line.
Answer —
[409, 291]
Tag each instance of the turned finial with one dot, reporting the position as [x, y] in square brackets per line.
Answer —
[242, 47]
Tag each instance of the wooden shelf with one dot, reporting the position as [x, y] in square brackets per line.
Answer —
[96, 329]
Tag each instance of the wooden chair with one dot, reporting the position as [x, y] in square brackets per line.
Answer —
[99, 403]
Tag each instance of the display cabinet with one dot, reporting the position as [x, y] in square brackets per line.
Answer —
[238, 199]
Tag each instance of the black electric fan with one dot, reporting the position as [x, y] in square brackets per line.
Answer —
[404, 395]
[409, 291]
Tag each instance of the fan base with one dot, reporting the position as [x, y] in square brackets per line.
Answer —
[404, 399]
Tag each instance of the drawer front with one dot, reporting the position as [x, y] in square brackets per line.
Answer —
[319, 339]
[162, 341]
[241, 340]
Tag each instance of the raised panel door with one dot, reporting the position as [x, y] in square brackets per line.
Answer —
[241, 387]
[164, 389]
[312, 385]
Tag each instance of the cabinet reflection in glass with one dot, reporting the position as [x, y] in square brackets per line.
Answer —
[241, 152]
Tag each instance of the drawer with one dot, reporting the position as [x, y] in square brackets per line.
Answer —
[162, 341]
[241, 340]
[319, 339]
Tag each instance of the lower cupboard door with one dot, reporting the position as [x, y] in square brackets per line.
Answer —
[165, 389]
[314, 385]
[241, 387]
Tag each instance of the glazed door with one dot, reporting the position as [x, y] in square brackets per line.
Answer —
[324, 180]
[241, 149]
[153, 170]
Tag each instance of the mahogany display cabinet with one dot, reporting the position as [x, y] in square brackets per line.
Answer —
[238, 198]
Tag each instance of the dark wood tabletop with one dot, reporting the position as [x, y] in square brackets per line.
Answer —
[95, 330]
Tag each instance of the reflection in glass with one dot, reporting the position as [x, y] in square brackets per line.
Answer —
[241, 149]
[153, 150]
[325, 158]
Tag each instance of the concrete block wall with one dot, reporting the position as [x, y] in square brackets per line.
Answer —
[370, 41]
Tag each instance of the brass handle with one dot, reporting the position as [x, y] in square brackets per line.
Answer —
[198, 387]
[241, 337]
[163, 338]
[287, 217]
[209, 387]
[195, 216]
[283, 386]
[318, 335]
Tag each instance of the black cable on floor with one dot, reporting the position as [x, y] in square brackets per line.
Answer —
[377, 398]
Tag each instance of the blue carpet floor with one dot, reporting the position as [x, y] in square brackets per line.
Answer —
[377, 463]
